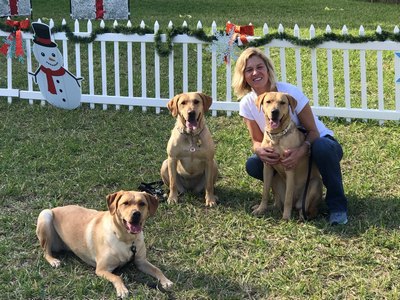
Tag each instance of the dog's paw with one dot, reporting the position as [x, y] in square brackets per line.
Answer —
[212, 201]
[167, 284]
[122, 291]
[54, 262]
[172, 200]
[286, 216]
[259, 210]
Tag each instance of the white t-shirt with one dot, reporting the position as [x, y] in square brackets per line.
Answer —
[249, 110]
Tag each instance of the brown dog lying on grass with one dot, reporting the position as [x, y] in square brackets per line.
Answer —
[190, 165]
[103, 239]
[288, 185]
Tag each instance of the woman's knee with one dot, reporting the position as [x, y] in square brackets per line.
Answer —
[254, 167]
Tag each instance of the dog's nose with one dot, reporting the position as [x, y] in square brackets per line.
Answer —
[135, 217]
[192, 116]
[275, 114]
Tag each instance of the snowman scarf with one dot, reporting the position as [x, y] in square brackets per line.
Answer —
[49, 76]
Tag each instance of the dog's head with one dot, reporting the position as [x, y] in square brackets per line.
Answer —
[190, 109]
[131, 209]
[275, 106]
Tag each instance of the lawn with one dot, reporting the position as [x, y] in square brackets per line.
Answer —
[51, 157]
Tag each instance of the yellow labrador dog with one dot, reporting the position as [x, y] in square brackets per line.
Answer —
[190, 165]
[281, 133]
[103, 239]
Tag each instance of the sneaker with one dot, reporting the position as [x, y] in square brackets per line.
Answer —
[338, 218]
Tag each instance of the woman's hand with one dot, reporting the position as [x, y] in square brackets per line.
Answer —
[267, 155]
[291, 157]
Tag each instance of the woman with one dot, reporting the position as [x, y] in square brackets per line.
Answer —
[254, 74]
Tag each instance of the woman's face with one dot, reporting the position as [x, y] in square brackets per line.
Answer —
[256, 74]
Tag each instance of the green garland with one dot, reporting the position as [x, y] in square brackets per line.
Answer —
[164, 49]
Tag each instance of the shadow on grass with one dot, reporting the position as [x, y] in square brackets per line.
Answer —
[364, 213]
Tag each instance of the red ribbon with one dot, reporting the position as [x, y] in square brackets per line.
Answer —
[49, 75]
[240, 31]
[99, 9]
[17, 35]
[13, 7]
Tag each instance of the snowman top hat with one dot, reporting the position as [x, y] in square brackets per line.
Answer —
[42, 35]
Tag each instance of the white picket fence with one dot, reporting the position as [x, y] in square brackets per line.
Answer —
[126, 70]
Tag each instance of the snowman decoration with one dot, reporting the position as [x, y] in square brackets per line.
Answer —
[57, 85]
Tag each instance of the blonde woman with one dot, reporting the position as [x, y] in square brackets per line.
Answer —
[254, 74]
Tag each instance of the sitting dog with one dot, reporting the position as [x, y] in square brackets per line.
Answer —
[288, 185]
[190, 164]
[103, 239]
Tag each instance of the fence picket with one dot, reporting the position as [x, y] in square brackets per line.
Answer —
[157, 70]
[330, 74]
[296, 33]
[116, 69]
[282, 56]
[103, 66]
[199, 62]
[363, 73]
[90, 64]
[314, 72]
[214, 68]
[143, 67]
[346, 71]
[171, 87]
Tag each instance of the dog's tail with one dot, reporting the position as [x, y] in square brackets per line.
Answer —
[44, 228]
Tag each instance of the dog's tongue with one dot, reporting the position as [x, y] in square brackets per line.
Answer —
[191, 125]
[273, 124]
[134, 229]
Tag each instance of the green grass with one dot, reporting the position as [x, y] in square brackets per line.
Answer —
[51, 157]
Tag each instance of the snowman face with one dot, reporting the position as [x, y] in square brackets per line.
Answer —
[48, 57]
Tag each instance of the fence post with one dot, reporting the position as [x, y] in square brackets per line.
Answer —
[296, 33]
[199, 62]
[143, 67]
[171, 68]
[130, 67]
[265, 32]
[363, 73]
[346, 70]
[157, 69]
[330, 73]
[314, 70]
[213, 69]
[103, 66]
[282, 56]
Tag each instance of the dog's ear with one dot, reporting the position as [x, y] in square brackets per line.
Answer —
[292, 102]
[260, 101]
[112, 200]
[152, 202]
[173, 105]
[207, 101]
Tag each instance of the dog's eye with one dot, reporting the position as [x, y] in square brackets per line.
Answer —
[268, 101]
[183, 102]
[283, 103]
[196, 101]
[124, 203]
[142, 204]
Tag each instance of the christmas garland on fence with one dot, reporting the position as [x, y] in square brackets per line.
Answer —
[164, 49]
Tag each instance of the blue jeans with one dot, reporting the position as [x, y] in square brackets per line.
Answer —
[326, 153]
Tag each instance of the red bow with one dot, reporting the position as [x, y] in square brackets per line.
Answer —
[49, 75]
[240, 31]
[17, 36]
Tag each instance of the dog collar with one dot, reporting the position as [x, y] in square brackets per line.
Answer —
[182, 131]
[279, 134]
[192, 147]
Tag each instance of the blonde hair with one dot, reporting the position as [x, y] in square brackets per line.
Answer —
[239, 84]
